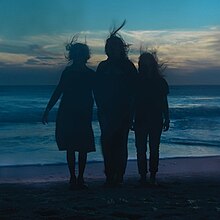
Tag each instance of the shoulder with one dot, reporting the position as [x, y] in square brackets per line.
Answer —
[130, 65]
[90, 71]
[129, 62]
[102, 64]
[131, 69]
[65, 73]
[66, 70]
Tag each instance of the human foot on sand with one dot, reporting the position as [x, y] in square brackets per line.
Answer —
[81, 183]
[143, 180]
[153, 181]
[72, 183]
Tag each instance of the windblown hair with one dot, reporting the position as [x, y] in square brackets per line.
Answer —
[77, 51]
[116, 41]
[158, 67]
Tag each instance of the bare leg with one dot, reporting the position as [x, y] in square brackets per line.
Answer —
[82, 164]
[70, 156]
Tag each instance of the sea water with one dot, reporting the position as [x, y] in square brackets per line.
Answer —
[24, 140]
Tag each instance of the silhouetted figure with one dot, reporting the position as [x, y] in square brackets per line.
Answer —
[113, 93]
[73, 124]
[151, 114]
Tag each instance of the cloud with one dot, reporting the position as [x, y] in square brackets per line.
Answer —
[30, 52]
[183, 49]
[42, 61]
[186, 51]
[12, 58]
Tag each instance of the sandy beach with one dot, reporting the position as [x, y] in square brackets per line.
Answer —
[188, 189]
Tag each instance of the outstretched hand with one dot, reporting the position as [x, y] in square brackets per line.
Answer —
[45, 117]
[166, 125]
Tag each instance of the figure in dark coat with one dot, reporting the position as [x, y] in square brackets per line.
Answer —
[114, 90]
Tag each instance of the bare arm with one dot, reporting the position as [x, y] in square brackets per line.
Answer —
[53, 100]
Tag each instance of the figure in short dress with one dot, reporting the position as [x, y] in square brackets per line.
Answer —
[74, 118]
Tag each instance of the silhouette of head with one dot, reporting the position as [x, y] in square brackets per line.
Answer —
[77, 52]
[115, 46]
[148, 65]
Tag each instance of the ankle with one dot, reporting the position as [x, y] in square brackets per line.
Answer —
[153, 178]
[152, 175]
[80, 180]
[143, 176]
[72, 179]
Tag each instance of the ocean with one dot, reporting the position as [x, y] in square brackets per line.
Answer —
[24, 140]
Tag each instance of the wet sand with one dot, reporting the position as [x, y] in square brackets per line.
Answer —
[189, 188]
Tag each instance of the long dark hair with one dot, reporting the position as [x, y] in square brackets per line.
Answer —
[116, 40]
[157, 67]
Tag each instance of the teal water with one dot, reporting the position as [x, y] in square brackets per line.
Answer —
[195, 125]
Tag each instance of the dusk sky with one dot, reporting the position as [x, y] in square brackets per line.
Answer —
[33, 36]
